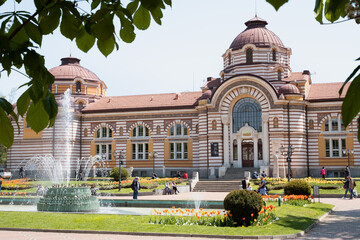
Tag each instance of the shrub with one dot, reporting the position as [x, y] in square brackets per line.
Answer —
[297, 187]
[242, 204]
[114, 173]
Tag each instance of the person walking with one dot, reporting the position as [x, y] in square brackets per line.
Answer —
[352, 185]
[135, 187]
[347, 187]
[323, 172]
[347, 172]
[262, 186]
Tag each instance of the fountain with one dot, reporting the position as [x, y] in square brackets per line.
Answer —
[62, 197]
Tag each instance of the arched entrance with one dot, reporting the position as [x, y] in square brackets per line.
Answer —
[247, 147]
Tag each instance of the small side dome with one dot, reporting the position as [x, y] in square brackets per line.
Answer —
[288, 89]
[206, 95]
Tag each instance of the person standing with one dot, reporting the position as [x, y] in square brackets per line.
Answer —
[262, 187]
[135, 187]
[21, 172]
[323, 172]
[186, 175]
[244, 183]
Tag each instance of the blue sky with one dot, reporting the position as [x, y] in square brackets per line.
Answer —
[178, 55]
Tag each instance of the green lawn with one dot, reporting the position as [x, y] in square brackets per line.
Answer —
[292, 220]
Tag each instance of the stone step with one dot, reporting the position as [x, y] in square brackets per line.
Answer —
[216, 186]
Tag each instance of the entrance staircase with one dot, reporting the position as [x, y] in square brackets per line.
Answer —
[231, 181]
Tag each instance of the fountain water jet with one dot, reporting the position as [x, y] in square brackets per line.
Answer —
[64, 198]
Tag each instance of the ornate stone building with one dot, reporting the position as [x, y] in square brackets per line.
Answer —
[237, 121]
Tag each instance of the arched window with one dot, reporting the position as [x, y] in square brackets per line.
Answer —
[274, 54]
[85, 132]
[78, 86]
[104, 132]
[214, 125]
[179, 130]
[279, 75]
[229, 58]
[121, 131]
[311, 124]
[158, 130]
[140, 131]
[276, 122]
[247, 110]
[249, 55]
[81, 105]
[260, 150]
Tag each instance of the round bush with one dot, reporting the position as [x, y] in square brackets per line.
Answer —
[297, 187]
[114, 173]
[241, 204]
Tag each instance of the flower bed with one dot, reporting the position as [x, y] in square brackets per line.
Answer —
[212, 218]
[295, 200]
[17, 184]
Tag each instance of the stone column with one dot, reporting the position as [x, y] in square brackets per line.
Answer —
[276, 165]
[266, 147]
[226, 140]
[239, 140]
[256, 156]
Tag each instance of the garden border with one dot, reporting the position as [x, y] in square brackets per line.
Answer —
[295, 235]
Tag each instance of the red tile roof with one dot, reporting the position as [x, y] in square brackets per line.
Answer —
[144, 102]
[326, 91]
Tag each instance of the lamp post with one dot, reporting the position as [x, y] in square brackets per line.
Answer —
[287, 153]
[348, 153]
[119, 153]
[153, 155]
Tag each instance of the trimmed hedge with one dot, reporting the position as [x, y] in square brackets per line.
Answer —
[241, 204]
[297, 187]
[114, 173]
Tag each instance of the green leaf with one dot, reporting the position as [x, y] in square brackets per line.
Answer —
[351, 104]
[104, 28]
[151, 5]
[69, 26]
[50, 20]
[168, 2]
[4, 104]
[37, 117]
[275, 3]
[157, 15]
[2, 2]
[349, 78]
[106, 46]
[127, 33]
[142, 18]
[319, 8]
[33, 32]
[95, 4]
[23, 103]
[6, 129]
[132, 6]
[84, 41]
[50, 105]
[334, 9]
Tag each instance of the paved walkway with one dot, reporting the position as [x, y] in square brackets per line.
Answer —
[342, 224]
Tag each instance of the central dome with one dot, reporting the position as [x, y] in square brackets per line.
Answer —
[256, 33]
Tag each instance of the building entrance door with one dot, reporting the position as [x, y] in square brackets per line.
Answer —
[247, 154]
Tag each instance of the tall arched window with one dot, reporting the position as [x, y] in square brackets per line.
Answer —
[140, 142]
[249, 55]
[229, 58]
[247, 110]
[179, 141]
[276, 122]
[274, 54]
[78, 86]
[213, 125]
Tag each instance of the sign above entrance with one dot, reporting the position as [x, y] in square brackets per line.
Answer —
[246, 134]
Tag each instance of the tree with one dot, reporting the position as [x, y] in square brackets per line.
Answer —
[333, 10]
[21, 34]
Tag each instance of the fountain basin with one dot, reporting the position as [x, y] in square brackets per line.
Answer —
[68, 199]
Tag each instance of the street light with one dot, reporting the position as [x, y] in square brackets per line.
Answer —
[153, 155]
[348, 153]
[119, 153]
[287, 153]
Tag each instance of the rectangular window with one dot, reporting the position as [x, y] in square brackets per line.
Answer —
[104, 132]
[335, 147]
[343, 146]
[140, 151]
[109, 151]
[185, 150]
[185, 130]
[133, 151]
[104, 151]
[327, 147]
[172, 150]
[146, 151]
[178, 151]
[97, 149]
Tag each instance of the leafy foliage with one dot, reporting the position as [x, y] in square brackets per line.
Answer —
[297, 187]
[244, 205]
[21, 35]
[114, 173]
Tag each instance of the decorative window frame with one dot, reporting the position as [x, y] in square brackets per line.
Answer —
[99, 131]
[330, 150]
